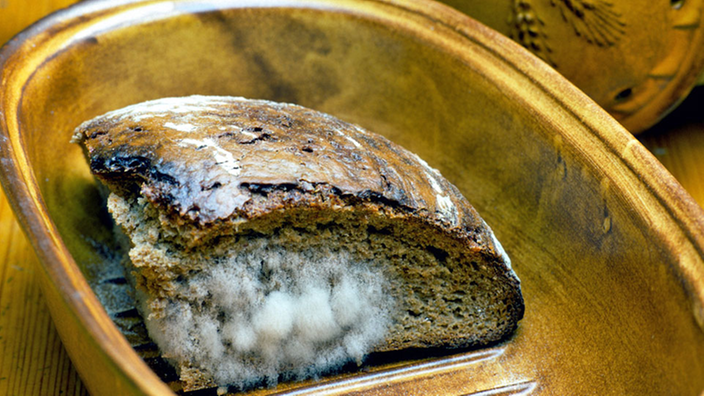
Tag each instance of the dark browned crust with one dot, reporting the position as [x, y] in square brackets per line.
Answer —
[277, 147]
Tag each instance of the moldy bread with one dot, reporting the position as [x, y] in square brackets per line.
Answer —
[268, 240]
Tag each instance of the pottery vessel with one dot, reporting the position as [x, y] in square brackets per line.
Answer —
[608, 246]
[637, 59]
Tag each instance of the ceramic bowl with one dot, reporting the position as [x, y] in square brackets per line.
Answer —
[638, 60]
[608, 246]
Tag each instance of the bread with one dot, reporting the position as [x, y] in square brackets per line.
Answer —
[272, 240]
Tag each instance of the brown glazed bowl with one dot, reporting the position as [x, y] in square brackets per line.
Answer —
[608, 246]
[637, 59]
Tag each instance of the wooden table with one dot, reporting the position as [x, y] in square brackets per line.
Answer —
[32, 359]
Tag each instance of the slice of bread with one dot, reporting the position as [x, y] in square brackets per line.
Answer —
[270, 239]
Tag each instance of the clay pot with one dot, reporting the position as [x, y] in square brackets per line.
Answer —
[637, 59]
[608, 246]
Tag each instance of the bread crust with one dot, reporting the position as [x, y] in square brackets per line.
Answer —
[208, 158]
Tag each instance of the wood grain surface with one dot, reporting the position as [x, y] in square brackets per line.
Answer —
[678, 142]
[32, 359]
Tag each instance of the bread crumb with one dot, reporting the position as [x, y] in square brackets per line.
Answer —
[267, 311]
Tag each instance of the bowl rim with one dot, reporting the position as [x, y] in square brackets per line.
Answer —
[672, 207]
